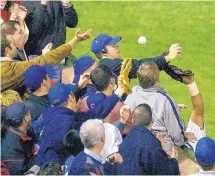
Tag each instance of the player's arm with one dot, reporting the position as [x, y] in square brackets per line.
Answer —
[197, 115]
[161, 61]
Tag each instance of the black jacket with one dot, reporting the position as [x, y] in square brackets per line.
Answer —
[37, 105]
[47, 23]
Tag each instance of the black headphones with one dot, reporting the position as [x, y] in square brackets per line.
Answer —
[104, 51]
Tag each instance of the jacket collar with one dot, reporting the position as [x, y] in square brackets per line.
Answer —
[152, 89]
[141, 129]
[94, 156]
[19, 133]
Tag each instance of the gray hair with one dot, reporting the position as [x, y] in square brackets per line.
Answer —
[147, 74]
[91, 132]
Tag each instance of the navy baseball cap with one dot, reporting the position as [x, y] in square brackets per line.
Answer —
[16, 111]
[103, 40]
[59, 93]
[35, 75]
[81, 65]
[205, 151]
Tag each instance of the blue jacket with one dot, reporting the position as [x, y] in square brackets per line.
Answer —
[143, 155]
[17, 151]
[60, 120]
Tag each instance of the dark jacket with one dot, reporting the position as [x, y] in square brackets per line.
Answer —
[115, 64]
[60, 120]
[143, 155]
[17, 151]
[37, 105]
[47, 23]
[84, 164]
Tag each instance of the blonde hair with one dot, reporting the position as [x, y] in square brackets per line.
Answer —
[9, 97]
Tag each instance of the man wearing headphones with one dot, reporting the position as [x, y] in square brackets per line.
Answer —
[106, 49]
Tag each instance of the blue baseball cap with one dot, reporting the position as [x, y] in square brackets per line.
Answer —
[35, 75]
[59, 93]
[16, 111]
[103, 40]
[81, 65]
[205, 151]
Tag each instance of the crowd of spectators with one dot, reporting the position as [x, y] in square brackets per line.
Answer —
[59, 119]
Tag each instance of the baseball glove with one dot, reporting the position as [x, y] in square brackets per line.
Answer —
[176, 73]
[123, 79]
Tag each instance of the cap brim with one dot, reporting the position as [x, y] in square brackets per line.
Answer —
[76, 78]
[115, 40]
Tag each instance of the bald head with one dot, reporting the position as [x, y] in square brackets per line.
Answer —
[147, 74]
[142, 115]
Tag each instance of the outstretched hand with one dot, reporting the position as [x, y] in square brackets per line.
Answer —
[21, 13]
[115, 158]
[182, 106]
[83, 36]
[190, 137]
[83, 80]
[47, 48]
[125, 113]
[174, 51]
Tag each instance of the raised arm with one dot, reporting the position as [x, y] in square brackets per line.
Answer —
[37, 16]
[17, 69]
[161, 61]
[197, 115]
[70, 14]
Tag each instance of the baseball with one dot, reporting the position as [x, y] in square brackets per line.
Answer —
[142, 40]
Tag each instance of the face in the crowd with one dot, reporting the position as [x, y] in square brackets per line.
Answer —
[19, 37]
[3, 3]
[47, 82]
[113, 51]
[28, 119]
[67, 75]
[11, 51]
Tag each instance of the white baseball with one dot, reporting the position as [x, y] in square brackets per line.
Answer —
[142, 40]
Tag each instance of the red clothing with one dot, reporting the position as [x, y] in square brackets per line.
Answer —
[113, 116]
[5, 14]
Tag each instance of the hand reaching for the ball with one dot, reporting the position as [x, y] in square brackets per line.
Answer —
[174, 51]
